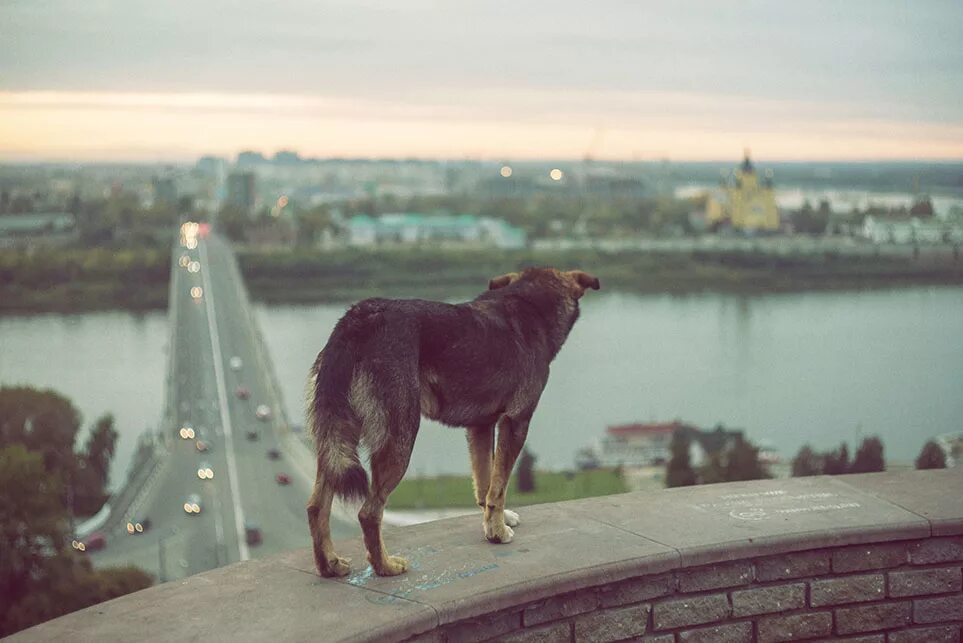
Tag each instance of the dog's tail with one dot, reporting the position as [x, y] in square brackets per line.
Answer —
[336, 432]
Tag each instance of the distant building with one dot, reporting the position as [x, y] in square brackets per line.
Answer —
[744, 202]
[39, 228]
[287, 157]
[241, 191]
[410, 228]
[248, 158]
[640, 445]
[881, 228]
[211, 165]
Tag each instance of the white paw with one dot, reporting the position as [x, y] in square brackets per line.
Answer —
[511, 518]
[499, 534]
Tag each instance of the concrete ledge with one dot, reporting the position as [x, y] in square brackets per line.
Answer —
[602, 569]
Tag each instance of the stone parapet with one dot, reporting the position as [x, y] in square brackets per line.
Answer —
[875, 557]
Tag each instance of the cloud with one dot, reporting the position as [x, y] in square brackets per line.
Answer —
[713, 67]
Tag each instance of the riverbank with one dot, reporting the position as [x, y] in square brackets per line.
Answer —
[349, 275]
[81, 280]
[70, 280]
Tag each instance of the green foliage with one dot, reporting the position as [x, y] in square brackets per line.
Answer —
[82, 278]
[807, 463]
[232, 220]
[32, 520]
[837, 462]
[742, 462]
[525, 472]
[46, 423]
[869, 457]
[40, 577]
[931, 457]
[679, 471]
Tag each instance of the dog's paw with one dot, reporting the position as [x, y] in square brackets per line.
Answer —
[511, 518]
[392, 566]
[336, 566]
[496, 534]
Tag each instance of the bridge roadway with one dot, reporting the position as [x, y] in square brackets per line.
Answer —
[206, 334]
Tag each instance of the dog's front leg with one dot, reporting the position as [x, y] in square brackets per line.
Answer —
[481, 446]
[511, 438]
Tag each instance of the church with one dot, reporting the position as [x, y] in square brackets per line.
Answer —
[744, 201]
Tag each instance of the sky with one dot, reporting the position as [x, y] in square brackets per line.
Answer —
[683, 80]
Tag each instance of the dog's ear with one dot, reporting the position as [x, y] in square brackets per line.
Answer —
[501, 282]
[585, 280]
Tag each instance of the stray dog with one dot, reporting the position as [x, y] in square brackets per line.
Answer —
[470, 365]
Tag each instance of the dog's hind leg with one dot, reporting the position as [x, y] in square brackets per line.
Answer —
[387, 468]
[319, 516]
[511, 438]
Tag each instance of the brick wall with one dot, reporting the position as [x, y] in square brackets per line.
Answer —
[893, 592]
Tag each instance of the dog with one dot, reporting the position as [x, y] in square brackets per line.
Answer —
[473, 365]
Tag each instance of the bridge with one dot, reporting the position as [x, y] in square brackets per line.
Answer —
[218, 375]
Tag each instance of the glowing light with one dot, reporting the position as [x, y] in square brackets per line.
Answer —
[197, 292]
[556, 174]
[194, 266]
[282, 201]
[187, 507]
[184, 261]
[191, 244]
[130, 528]
[506, 171]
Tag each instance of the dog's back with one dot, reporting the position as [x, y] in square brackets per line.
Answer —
[472, 365]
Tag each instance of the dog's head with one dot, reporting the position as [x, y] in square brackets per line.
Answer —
[572, 283]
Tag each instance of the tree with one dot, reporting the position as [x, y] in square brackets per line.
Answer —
[40, 577]
[836, 462]
[31, 520]
[743, 462]
[679, 471]
[869, 457]
[806, 463]
[233, 222]
[931, 457]
[47, 423]
[100, 448]
[525, 476]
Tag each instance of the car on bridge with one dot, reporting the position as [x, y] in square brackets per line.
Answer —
[252, 435]
[202, 445]
[93, 542]
[193, 504]
[262, 412]
[138, 526]
[235, 363]
[242, 392]
[186, 432]
[205, 472]
[283, 479]
[197, 292]
[252, 534]
[274, 454]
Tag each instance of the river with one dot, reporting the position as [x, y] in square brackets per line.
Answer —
[789, 369]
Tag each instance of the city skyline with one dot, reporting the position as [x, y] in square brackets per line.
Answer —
[692, 81]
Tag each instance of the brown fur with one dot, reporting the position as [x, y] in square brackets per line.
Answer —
[475, 365]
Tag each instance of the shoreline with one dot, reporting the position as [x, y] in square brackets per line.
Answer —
[345, 276]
